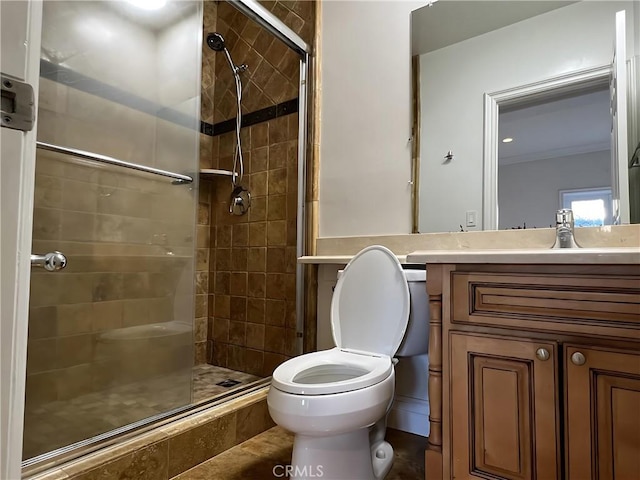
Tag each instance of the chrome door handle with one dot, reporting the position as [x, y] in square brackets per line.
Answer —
[51, 262]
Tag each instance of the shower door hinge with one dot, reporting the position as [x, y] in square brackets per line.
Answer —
[18, 104]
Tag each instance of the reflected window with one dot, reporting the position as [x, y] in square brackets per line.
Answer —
[591, 207]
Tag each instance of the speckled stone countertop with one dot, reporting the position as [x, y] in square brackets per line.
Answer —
[608, 256]
[339, 250]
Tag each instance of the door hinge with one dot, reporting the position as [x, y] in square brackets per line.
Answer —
[18, 104]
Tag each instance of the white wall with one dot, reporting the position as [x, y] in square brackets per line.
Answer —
[528, 192]
[365, 163]
[455, 78]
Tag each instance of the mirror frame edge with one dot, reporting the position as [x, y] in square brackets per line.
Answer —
[415, 143]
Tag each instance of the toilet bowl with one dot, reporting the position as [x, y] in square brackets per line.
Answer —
[336, 401]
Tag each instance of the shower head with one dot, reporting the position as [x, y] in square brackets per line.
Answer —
[216, 42]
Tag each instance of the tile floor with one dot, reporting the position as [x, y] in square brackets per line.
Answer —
[256, 458]
[60, 423]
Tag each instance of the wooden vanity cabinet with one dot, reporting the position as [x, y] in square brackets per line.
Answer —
[536, 372]
[504, 407]
[602, 413]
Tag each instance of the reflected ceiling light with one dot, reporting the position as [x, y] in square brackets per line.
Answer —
[148, 4]
[507, 140]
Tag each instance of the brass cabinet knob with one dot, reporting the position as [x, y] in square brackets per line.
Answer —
[543, 354]
[578, 358]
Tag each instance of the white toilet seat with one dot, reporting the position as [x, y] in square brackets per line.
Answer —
[370, 304]
[369, 315]
[330, 371]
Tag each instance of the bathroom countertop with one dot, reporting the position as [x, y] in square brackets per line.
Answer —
[616, 236]
[337, 259]
[611, 255]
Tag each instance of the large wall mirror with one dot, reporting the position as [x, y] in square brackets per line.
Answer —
[524, 107]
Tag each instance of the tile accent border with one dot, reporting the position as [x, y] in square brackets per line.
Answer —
[248, 119]
[171, 449]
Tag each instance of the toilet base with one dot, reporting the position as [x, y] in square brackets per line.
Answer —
[348, 456]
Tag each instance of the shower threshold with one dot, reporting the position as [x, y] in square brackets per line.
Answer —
[119, 409]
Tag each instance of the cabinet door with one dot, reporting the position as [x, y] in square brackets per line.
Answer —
[602, 414]
[504, 408]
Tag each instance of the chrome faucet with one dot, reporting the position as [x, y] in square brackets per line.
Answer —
[564, 229]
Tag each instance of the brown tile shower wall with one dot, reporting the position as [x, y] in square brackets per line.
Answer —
[202, 279]
[273, 68]
[249, 268]
[252, 259]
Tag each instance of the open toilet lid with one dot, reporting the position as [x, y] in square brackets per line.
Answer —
[370, 305]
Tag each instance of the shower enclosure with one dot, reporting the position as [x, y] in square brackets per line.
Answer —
[166, 301]
[110, 335]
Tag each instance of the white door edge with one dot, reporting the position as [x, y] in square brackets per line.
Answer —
[21, 34]
[619, 140]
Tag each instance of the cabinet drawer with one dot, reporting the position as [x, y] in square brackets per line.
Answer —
[548, 302]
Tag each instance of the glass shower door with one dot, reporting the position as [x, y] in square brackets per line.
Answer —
[111, 335]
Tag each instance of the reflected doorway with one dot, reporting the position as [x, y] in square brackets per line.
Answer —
[559, 143]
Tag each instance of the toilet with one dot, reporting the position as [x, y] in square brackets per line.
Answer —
[336, 401]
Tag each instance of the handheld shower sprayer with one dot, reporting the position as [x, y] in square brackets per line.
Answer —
[240, 197]
[216, 42]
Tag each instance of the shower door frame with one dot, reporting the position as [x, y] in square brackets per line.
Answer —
[12, 443]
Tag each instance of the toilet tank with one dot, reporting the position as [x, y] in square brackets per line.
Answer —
[416, 338]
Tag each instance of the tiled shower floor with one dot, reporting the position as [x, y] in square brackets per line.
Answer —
[206, 377]
[60, 423]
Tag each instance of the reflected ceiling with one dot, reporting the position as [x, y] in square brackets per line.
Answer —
[453, 24]
[567, 126]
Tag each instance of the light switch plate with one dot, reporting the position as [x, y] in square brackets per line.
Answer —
[472, 218]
